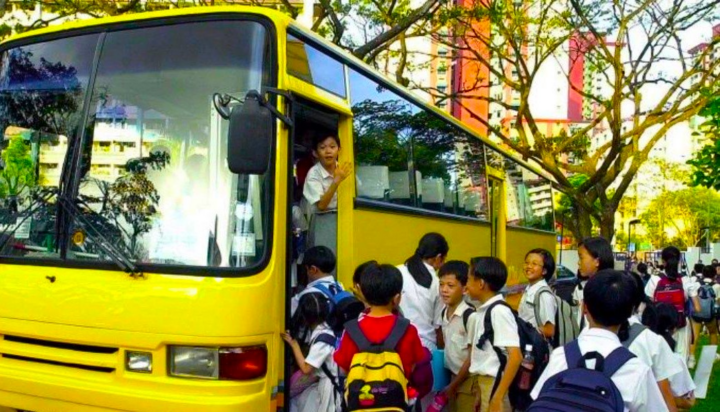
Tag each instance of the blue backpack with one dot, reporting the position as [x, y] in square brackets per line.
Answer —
[344, 306]
[580, 388]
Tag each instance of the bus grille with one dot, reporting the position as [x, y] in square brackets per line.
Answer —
[70, 355]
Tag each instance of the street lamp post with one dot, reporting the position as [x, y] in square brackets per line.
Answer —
[631, 223]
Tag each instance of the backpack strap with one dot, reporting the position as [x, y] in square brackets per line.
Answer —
[466, 316]
[489, 336]
[324, 290]
[352, 328]
[573, 356]
[635, 330]
[615, 360]
[337, 385]
[396, 333]
[536, 303]
[326, 338]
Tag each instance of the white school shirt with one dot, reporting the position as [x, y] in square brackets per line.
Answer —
[328, 281]
[578, 297]
[634, 380]
[547, 303]
[681, 383]
[317, 183]
[485, 361]
[456, 337]
[422, 306]
[682, 336]
[652, 349]
[320, 397]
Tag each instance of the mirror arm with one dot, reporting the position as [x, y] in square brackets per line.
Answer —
[288, 122]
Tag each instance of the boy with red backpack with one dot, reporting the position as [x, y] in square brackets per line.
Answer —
[677, 291]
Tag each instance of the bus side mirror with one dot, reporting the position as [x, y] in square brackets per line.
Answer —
[250, 136]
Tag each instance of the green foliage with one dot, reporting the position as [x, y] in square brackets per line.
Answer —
[706, 164]
[18, 173]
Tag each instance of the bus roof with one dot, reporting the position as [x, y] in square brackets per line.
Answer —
[289, 23]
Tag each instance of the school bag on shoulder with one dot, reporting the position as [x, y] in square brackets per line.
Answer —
[465, 316]
[633, 332]
[335, 377]
[580, 388]
[566, 328]
[529, 335]
[344, 306]
[376, 380]
[707, 312]
[672, 292]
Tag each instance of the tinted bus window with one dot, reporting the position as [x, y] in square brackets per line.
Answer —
[310, 64]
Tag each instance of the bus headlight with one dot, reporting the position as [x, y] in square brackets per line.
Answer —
[236, 363]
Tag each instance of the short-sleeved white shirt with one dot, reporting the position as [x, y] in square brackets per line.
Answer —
[485, 361]
[547, 303]
[456, 338]
[652, 349]
[317, 183]
[634, 380]
[681, 383]
[320, 352]
[422, 306]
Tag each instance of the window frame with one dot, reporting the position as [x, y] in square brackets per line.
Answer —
[308, 42]
[71, 164]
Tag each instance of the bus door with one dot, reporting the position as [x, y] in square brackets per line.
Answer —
[497, 224]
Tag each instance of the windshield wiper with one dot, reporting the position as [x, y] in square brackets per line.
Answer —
[115, 254]
[38, 203]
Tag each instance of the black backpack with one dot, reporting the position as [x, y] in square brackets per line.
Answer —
[529, 335]
[344, 306]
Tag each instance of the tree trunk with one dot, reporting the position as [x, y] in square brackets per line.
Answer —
[607, 225]
[582, 224]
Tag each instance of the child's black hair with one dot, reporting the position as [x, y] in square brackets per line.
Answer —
[609, 297]
[322, 137]
[548, 262]
[492, 270]
[600, 249]
[642, 268]
[698, 268]
[639, 297]
[458, 268]
[321, 257]
[313, 309]
[671, 257]
[380, 284]
[361, 269]
[667, 320]
[708, 272]
[431, 245]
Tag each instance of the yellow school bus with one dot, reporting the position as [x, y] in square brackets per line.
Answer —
[150, 167]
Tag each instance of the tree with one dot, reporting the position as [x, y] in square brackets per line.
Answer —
[18, 173]
[706, 164]
[507, 43]
[688, 213]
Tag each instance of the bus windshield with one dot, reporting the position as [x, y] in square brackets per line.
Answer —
[136, 143]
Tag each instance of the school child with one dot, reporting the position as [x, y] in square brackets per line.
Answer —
[648, 346]
[324, 395]
[594, 254]
[538, 305]
[420, 302]
[681, 383]
[708, 298]
[485, 280]
[456, 313]
[324, 178]
[356, 279]
[608, 298]
[671, 288]
[642, 269]
[319, 262]
[381, 286]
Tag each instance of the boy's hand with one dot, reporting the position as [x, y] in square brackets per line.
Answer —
[450, 391]
[289, 339]
[495, 404]
[342, 172]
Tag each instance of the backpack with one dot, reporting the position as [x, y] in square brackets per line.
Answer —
[566, 328]
[529, 335]
[335, 378]
[376, 379]
[633, 332]
[580, 388]
[344, 306]
[465, 316]
[672, 292]
[707, 312]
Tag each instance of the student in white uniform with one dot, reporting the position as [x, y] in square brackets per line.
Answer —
[647, 345]
[671, 260]
[319, 262]
[539, 267]
[314, 310]
[420, 302]
[608, 298]
[594, 254]
[324, 178]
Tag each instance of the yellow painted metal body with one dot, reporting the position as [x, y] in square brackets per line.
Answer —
[108, 309]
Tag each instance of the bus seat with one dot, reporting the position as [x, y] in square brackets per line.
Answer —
[433, 189]
[374, 181]
[400, 185]
[472, 201]
[449, 198]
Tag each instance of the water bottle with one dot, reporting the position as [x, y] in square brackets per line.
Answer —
[526, 369]
[438, 403]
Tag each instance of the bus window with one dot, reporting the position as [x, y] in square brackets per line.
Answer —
[42, 92]
[154, 175]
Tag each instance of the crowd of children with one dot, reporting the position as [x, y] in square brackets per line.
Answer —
[627, 347]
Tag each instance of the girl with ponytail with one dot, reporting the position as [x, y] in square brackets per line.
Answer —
[671, 288]
[420, 302]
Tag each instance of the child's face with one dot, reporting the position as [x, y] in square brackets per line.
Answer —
[327, 152]
[451, 290]
[474, 286]
[588, 264]
[534, 270]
